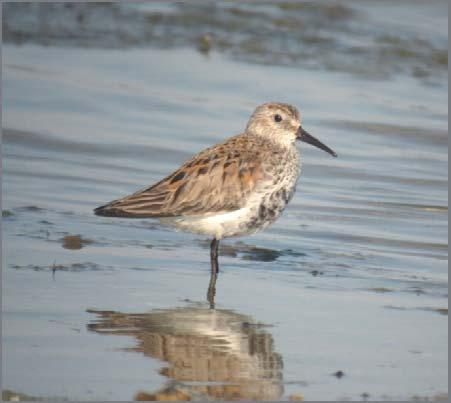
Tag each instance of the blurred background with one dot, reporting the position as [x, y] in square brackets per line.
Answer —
[344, 297]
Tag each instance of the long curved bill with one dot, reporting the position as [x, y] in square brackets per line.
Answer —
[308, 138]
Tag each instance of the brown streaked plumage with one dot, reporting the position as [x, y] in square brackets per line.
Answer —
[218, 179]
[233, 188]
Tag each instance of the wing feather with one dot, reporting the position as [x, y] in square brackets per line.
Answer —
[218, 179]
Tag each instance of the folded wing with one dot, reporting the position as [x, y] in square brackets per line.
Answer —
[219, 179]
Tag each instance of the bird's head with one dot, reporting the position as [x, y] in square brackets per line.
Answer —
[281, 123]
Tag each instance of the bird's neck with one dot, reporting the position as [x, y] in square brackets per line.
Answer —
[284, 143]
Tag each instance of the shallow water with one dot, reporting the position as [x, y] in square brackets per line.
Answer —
[352, 278]
[370, 39]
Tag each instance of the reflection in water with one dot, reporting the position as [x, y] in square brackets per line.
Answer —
[211, 293]
[247, 252]
[211, 354]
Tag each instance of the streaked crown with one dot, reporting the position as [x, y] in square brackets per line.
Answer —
[278, 122]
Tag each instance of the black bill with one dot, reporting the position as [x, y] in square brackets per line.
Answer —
[308, 138]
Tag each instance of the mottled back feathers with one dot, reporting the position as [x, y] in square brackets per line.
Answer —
[218, 179]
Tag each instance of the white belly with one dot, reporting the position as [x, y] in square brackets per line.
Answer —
[215, 225]
[261, 209]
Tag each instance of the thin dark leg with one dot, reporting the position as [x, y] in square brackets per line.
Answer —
[214, 272]
[212, 290]
[214, 246]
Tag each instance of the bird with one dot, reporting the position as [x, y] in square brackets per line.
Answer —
[234, 188]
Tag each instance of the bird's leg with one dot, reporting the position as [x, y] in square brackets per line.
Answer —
[214, 255]
[214, 272]
[212, 290]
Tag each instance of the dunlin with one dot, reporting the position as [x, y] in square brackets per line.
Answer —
[234, 188]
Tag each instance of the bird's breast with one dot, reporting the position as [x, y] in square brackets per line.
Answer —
[267, 205]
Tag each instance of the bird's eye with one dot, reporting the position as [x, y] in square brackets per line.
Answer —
[277, 118]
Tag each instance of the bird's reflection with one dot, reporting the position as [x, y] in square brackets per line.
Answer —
[212, 354]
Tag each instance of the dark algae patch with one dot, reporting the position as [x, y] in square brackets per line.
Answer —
[381, 290]
[245, 251]
[339, 374]
[31, 208]
[441, 311]
[75, 242]
[73, 267]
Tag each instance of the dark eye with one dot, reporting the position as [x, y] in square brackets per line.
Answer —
[277, 118]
